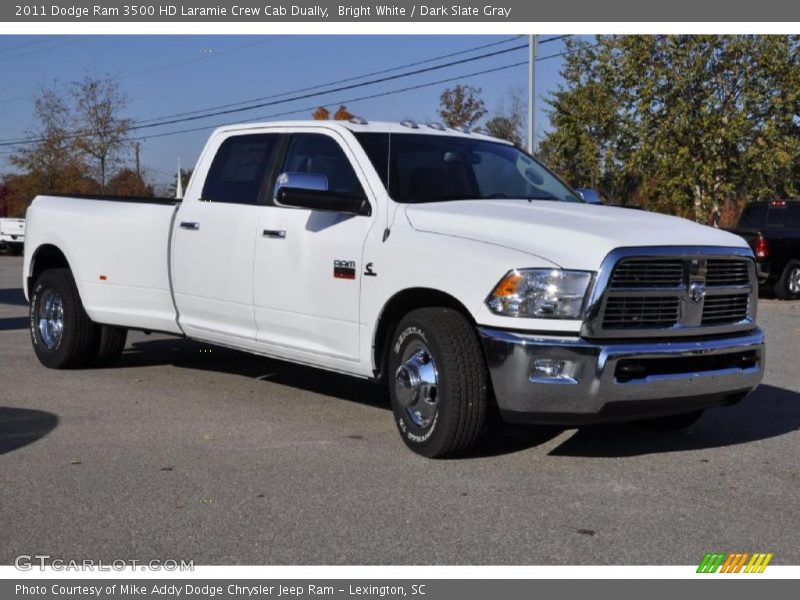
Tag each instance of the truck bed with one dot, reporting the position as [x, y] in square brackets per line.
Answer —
[119, 252]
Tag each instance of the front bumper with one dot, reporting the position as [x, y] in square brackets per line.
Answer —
[618, 381]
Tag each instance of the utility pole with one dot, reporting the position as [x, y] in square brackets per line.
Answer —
[138, 163]
[533, 47]
[179, 183]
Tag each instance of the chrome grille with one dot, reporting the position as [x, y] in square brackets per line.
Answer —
[725, 308]
[632, 312]
[672, 291]
[727, 272]
[644, 273]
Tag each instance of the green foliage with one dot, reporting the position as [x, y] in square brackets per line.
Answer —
[682, 123]
[508, 122]
[461, 105]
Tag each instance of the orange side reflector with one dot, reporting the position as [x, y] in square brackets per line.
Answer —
[103, 278]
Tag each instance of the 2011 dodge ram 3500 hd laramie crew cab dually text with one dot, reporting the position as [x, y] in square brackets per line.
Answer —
[449, 264]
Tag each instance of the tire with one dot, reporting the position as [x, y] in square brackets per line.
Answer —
[14, 249]
[672, 422]
[788, 286]
[55, 295]
[438, 345]
[110, 344]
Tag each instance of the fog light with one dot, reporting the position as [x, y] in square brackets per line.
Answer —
[551, 370]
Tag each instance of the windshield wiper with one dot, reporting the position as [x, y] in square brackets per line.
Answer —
[547, 198]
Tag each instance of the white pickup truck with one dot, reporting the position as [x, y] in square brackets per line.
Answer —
[12, 235]
[447, 264]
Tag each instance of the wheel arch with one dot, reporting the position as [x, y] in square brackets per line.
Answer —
[399, 305]
[46, 256]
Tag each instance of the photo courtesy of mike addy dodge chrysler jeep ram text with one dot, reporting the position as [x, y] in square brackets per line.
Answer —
[446, 264]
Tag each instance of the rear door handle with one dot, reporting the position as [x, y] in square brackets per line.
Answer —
[191, 225]
[274, 233]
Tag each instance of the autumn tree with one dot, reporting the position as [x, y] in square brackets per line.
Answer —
[684, 122]
[461, 106]
[321, 114]
[128, 182]
[101, 130]
[51, 161]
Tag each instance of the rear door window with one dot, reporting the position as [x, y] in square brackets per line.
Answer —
[238, 172]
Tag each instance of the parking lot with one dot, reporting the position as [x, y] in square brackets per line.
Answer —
[184, 450]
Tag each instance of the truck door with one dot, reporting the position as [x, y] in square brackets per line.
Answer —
[214, 235]
[307, 272]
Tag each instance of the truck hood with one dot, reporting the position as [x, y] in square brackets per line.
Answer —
[571, 235]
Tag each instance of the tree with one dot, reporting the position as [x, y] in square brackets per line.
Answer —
[684, 123]
[129, 183]
[101, 131]
[461, 106]
[52, 162]
[321, 114]
[342, 114]
[509, 123]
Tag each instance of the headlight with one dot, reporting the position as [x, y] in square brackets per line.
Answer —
[540, 294]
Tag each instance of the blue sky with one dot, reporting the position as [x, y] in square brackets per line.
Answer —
[163, 75]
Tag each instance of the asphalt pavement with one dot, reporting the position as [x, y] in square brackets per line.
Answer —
[184, 450]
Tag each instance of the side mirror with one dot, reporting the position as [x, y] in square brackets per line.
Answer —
[310, 190]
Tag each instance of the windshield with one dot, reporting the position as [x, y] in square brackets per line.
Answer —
[437, 168]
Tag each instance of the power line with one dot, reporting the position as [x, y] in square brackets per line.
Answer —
[368, 97]
[331, 90]
[292, 98]
[201, 58]
[353, 78]
[307, 96]
[46, 40]
[72, 40]
[336, 82]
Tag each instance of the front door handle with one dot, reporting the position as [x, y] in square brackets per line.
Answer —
[278, 234]
[191, 225]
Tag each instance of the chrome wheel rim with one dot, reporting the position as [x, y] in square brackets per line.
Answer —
[417, 384]
[51, 319]
[794, 280]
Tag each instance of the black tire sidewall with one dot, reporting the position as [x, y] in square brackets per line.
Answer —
[63, 353]
[424, 440]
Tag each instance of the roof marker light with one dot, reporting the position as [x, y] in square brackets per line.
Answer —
[358, 121]
[409, 123]
[436, 126]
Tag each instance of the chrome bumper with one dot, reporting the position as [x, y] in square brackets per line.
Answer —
[618, 381]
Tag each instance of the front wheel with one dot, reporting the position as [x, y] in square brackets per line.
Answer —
[438, 382]
[63, 336]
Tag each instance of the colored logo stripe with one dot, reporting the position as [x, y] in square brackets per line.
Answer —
[733, 562]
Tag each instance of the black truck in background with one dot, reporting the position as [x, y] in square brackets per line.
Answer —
[772, 228]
